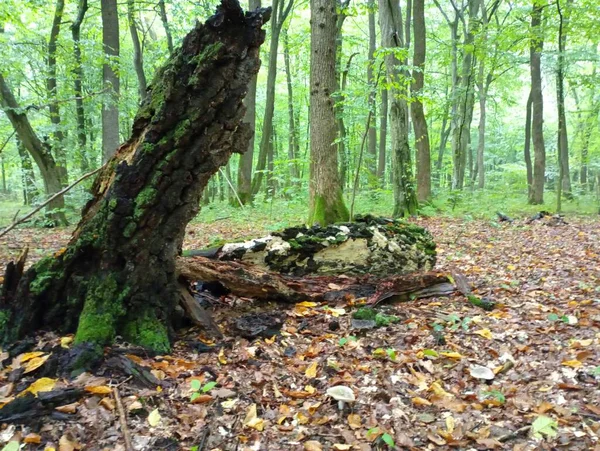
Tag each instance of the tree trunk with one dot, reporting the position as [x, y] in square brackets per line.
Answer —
[30, 191]
[527, 147]
[117, 275]
[418, 115]
[281, 9]
[465, 99]
[326, 204]
[138, 56]
[563, 141]
[162, 12]
[293, 141]
[382, 137]
[372, 135]
[244, 174]
[77, 85]
[405, 198]
[58, 136]
[537, 112]
[110, 107]
[38, 151]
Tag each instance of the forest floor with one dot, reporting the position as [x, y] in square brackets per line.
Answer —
[417, 383]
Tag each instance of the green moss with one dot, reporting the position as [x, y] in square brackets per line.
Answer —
[324, 214]
[182, 129]
[103, 307]
[45, 275]
[5, 317]
[484, 303]
[112, 204]
[143, 199]
[382, 320]
[208, 53]
[129, 229]
[366, 313]
[148, 331]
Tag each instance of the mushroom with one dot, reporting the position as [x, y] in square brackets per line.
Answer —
[341, 394]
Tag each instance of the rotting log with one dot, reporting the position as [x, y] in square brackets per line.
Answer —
[117, 274]
[371, 245]
[251, 281]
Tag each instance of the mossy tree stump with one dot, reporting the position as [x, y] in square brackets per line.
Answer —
[117, 275]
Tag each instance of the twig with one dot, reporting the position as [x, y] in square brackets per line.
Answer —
[6, 141]
[123, 420]
[205, 435]
[514, 434]
[60, 193]
[232, 188]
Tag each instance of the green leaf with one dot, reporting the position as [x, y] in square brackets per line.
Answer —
[430, 353]
[343, 341]
[389, 441]
[194, 396]
[391, 354]
[195, 384]
[544, 426]
[208, 387]
[553, 317]
[12, 446]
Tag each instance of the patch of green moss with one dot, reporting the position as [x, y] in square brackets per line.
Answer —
[369, 314]
[5, 317]
[45, 275]
[208, 53]
[484, 303]
[324, 214]
[148, 331]
[143, 199]
[129, 229]
[366, 313]
[103, 307]
[382, 320]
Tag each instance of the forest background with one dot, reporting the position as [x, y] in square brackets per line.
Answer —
[507, 89]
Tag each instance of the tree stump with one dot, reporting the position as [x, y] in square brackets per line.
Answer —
[117, 275]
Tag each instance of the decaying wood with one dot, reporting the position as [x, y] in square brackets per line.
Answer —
[12, 276]
[197, 314]
[30, 407]
[250, 281]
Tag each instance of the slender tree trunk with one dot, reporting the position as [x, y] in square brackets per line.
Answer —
[341, 124]
[58, 136]
[563, 141]
[527, 147]
[117, 276]
[38, 151]
[244, 174]
[293, 141]
[162, 12]
[138, 56]
[281, 9]
[465, 99]
[537, 112]
[405, 198]
[110, 107]
[30, 191]
[418, 115]
[372, 134]
[77, 85]
[382, 137]
[326, 204]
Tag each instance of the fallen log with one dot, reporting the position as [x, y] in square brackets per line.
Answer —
[250, 281]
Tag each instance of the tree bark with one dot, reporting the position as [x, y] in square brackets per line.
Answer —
[326, 204]
[30, 191]
[418, 115]
[58, 136]
[77, 85]
[405, 198]
[537, 113]
[117, 275]
[527, 147]
[110, 107]
[38, 151]
[138, 56]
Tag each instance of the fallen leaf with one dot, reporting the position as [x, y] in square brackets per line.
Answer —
[221, 357]
[572, 363]
[32, 438]
[42, 384]
[35, 363]
[418, 401]
[544, 426]
[201, 399]
[66, 341]
[313, 445]
[341, 447]
[68, 408]
[485, 333]
[452, 355]
[154, 418]
[311, 371]
[252, 420]
[354, 421]
[99, 389]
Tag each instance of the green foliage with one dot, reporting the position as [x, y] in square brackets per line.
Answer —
[198, 388]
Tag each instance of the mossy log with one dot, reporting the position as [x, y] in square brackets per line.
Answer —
[371, 245]
[117, 275]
